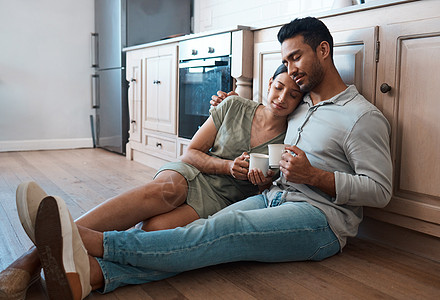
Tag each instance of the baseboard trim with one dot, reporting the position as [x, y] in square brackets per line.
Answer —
[49, 144]
[400, 238]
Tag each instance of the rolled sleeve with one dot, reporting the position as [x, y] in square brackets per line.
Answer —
[368, 152]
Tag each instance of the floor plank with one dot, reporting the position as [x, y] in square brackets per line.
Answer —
[86, 177]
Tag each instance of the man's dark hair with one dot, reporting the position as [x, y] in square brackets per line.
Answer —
[313, 30]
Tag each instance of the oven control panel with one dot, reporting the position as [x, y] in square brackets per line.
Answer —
[205, 47]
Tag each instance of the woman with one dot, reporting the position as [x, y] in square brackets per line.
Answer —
[214, 173]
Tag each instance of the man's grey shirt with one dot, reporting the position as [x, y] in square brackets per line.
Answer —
[349, 136]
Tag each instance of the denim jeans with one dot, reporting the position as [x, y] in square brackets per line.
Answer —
[247, 230]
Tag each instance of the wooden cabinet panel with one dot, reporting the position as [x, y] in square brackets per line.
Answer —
[182, 146]
[151, 68]
[411, 69]
[267, 58]
[166, 98]
[152, 75]
[418, 132]
[160, 89]
[354, 55]
[161, 146]
[134, 96]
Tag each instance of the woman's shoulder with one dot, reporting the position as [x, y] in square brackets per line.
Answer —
[237, 101]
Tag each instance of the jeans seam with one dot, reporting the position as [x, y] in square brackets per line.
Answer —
[323, 247]
[207, 243]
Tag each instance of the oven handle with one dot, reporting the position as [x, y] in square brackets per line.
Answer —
[213, 62]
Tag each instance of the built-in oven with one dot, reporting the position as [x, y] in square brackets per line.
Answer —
[204, 69]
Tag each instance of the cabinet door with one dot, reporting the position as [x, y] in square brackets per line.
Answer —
[160, 94]
[167, 96]
[151, 69]
[134, 96]
[354, 55]
[267, 58]
[411, 68]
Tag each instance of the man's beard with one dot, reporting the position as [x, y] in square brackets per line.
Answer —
[315, 77]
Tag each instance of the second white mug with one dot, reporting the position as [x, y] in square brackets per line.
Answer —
[275, 152]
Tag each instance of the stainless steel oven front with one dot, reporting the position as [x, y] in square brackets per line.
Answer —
[204, 69]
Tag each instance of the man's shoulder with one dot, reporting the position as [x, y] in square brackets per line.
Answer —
[358, 103]
[355, 108]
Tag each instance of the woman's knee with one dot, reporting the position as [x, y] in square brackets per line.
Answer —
[169, 187]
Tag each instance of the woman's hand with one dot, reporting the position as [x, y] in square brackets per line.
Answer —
[240, 166]
[256, 176]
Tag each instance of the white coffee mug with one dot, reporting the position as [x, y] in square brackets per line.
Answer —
[259, 161]
[275, 152]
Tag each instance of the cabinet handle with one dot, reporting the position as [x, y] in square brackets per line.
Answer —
[156, 82]
[194, 52]
[159, 145]
[211, 50]
[133, 80]
[133, 121]
[94, 50]
[95, 91]
[385, 88]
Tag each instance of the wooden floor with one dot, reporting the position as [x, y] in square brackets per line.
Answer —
[86, 177]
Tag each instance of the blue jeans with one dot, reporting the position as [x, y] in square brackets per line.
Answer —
[247, 230]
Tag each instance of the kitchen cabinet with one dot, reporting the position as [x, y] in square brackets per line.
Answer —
[391, 56]
[152, 97]
[152, 73]
[411, 71]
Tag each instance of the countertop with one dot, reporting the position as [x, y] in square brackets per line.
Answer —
[188, 37]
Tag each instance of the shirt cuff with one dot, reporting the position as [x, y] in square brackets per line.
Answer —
[343, 187]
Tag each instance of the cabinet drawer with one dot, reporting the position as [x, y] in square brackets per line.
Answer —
[163, 147]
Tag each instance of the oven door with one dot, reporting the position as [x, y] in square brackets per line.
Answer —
[198, 81]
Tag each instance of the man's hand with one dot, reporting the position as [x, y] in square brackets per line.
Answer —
[217, 99]
[297, 169]
[240, 166]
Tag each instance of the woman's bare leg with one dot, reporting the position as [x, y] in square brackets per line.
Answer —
[180, 216]
[165, 193]
[162, 195]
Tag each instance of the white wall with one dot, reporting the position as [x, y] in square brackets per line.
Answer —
[45, 62]
[45, 74]
[215, 14]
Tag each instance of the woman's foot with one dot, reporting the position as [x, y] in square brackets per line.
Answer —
[62, 254]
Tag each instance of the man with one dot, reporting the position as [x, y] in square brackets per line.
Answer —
[339, 162]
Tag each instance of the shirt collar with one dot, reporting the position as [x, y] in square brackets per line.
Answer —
[340, 99]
